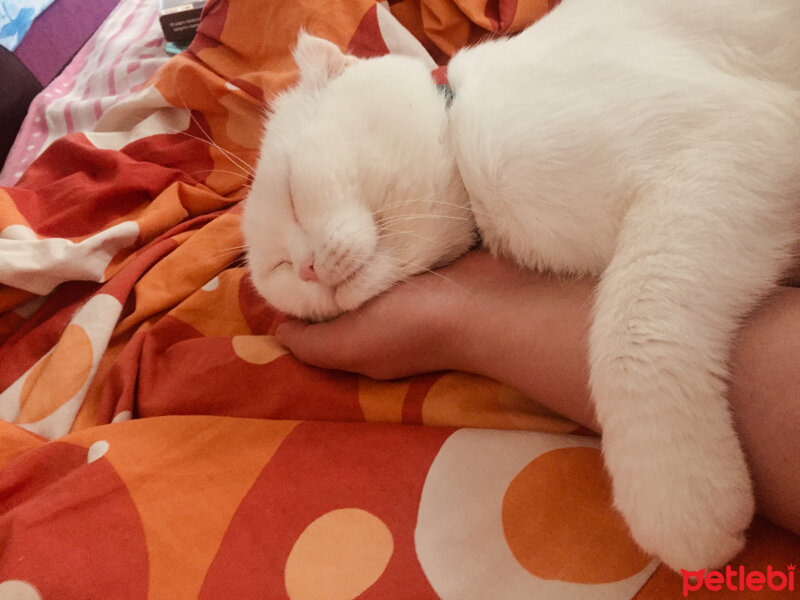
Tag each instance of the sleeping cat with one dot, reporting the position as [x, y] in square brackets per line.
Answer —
[655, 144]
[352, 191]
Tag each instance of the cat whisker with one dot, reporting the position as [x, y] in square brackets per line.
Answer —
[234, 262]
[395, 233]
[429, 198]
[240, 248]
[408, 217]
[413, 281]
[418, 269]
[433, 200]
[242, 164]
[238, 162]
[242, 175]
[414, 205]
[231, 252]
[228, 252]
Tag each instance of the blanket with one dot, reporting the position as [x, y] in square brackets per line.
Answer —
[157, 442]
[115, 63]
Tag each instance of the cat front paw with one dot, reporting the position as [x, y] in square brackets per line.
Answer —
[693, 512]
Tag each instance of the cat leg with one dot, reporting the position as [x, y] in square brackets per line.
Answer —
[665, 313]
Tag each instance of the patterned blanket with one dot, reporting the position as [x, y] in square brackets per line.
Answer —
[156, 441]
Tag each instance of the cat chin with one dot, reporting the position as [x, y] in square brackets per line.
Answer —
[319, 306]
[285, 292]
[315, 301]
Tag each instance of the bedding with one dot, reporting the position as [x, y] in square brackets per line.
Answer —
[116, 62]
[37, 39]
[157, 442]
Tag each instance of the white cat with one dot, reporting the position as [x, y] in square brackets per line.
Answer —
[352, 191]
[654, 143]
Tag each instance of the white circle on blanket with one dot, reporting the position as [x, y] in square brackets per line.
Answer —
[16, 589]
[460, 538]
[96, 450]
[122, 416]
[211, 285]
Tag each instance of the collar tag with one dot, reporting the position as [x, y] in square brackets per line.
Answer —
[440, 78]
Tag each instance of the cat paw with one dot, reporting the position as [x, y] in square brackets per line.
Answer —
[689, 514]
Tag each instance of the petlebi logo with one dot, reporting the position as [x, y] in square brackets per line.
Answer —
[738, 580]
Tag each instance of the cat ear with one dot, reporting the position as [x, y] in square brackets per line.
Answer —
[319, 60]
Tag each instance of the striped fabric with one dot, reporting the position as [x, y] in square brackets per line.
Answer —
[114, 64]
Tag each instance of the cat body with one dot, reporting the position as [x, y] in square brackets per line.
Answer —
[655, 144]
[595, 106]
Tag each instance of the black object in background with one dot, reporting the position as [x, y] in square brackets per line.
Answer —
[18, 87]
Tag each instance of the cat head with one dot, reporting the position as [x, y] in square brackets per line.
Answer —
[356, 186]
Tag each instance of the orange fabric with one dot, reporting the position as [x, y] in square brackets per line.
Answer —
[179, 452]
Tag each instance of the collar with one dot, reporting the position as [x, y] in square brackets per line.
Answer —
[439, 75]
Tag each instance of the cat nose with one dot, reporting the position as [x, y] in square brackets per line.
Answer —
[306, 271]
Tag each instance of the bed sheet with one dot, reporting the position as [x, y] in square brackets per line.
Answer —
[157, 442]
[115, 63]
